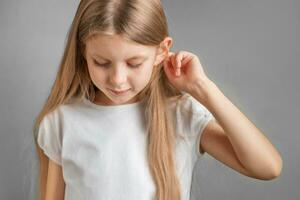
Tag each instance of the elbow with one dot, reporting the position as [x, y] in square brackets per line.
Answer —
[278, 168]
[275, 170]
[270, 172]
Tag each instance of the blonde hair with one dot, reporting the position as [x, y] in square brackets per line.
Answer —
[143, 22]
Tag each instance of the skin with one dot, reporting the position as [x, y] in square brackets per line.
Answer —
[55, 188]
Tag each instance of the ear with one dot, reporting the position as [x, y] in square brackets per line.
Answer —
[163, 50]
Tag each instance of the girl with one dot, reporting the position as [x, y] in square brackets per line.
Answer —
[127, 119]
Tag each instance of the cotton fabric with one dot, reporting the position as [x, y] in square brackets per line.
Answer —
[103, 152]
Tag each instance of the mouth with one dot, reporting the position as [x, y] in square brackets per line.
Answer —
[119, 92]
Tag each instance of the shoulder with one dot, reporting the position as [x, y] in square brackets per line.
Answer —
[65, 112]
[53, 121]
[190, 116]
[186, 103]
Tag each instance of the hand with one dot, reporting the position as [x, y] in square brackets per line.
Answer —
[188, 68]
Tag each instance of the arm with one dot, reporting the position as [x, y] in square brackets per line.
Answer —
[215, 142]
[55, 189]
[51, 179]
[233, 139]
[43, 172]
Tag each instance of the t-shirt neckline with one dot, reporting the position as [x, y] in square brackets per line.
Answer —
[113, 107]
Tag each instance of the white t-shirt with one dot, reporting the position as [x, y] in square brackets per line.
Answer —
[102, 149]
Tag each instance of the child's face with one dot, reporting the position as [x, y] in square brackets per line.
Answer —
[115, 64]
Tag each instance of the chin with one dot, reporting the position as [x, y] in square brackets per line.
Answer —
[121, 99]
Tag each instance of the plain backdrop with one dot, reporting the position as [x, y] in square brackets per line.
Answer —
[250, 49]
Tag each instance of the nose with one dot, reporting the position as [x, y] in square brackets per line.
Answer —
[118, 76]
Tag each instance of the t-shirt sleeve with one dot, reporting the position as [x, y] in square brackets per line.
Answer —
[197, 117]
[49, 136]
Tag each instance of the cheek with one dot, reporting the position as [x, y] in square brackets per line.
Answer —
[144, 76]
[97, 76]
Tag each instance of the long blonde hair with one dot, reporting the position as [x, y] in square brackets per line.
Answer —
[143, 22]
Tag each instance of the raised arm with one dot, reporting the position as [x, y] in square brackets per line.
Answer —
[235, 140]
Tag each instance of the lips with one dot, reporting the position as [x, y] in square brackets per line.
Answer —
[119, 91]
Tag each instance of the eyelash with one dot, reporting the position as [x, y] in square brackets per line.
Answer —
[106, 64]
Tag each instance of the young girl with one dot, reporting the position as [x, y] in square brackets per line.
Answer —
[127, 119]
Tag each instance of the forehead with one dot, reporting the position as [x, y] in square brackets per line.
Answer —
[115, 46]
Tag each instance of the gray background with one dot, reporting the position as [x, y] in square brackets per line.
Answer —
[250, 49]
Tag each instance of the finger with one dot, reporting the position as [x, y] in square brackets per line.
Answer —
[173, 60]
[168, 67]
[186, 59]
[170, 55]
[178, 65]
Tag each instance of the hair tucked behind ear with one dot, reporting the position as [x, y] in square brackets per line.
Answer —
[143, 22]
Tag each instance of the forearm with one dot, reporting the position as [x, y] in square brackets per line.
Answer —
[253, 149]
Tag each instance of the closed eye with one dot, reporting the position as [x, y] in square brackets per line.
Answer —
[136, 66]
[108, 64]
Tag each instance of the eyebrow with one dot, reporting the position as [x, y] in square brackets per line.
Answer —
[132, 58]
